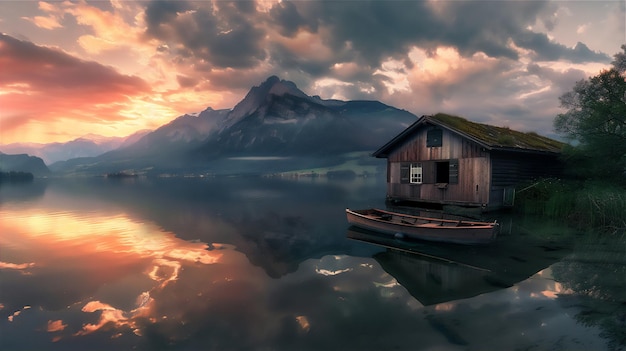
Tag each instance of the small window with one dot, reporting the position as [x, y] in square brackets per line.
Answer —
[411, 173]
[416, 173]
[443, 172]
[434, 138]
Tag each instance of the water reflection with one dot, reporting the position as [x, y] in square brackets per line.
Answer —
[264, 264]
[437, 273]
[86, 260]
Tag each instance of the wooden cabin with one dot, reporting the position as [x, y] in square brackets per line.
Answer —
[449, 160]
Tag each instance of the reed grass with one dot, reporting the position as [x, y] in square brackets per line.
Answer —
[585, 205]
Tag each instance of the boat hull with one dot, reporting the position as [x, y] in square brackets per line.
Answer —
[445, 231]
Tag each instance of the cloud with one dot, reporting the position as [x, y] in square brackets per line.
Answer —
[546, 50]
[56, 326]
[45, 22]
[235, 45]
[46, 84]
[223, 34]
[52, 21]
[195, 54]
[286, 16]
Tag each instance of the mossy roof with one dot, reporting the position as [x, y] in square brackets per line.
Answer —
[490, 137]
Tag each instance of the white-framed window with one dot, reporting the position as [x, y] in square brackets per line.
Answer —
[416, 174]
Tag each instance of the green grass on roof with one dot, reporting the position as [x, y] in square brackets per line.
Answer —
[499, 136]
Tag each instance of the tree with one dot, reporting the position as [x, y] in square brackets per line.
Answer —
[595, 123]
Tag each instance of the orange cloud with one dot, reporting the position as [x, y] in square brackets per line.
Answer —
[46, 85]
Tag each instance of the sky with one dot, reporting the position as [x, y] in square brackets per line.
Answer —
[71, 68]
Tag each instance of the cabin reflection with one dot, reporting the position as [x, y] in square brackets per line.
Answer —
[437, 273]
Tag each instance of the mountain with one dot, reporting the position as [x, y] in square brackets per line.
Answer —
[23, 163]
[167, 147]
[278, 119]
[275, 120]
[182, 134]
[86, 146]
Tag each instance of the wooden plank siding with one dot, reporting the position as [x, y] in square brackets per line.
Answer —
[510, 169]
[471, 186]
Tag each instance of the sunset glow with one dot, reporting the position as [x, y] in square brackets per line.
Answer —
[100, 248]
[116, 67]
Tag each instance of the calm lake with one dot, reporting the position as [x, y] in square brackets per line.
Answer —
[271, 264]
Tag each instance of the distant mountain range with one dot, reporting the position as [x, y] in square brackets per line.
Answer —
[86, 146]
[275, 123]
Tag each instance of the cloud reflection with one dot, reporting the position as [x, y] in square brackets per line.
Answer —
[55, 326]
[98, 251]
[18, 266]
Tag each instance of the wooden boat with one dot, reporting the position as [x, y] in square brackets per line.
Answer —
[424, 228]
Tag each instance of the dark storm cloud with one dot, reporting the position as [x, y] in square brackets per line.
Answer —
[286, 16]
[378, 29]
[223, 35]
[285, 59]
[158, 14]
[548, 51]
[209, 36]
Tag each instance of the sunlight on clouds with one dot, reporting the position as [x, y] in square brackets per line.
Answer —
[434, 75]
[534, 92]
[51, 22]
[582, 28]
[153, 110]
[266, 5]
[345, 70]
[395, 71]
[331, 84]
[589, 68]
[306, 45]
[47, 22]
[95, 45]
[13, 88]
[107, 25]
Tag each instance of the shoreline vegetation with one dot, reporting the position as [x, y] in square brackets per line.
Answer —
[16, 177]
[585, 205]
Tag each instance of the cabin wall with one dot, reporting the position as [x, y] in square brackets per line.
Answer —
[513, 168]
[469, 186]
